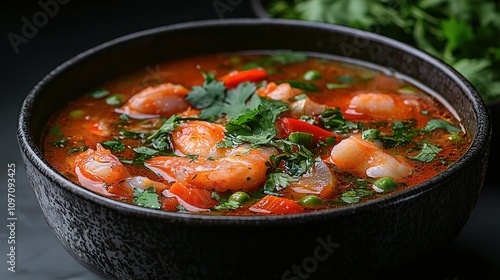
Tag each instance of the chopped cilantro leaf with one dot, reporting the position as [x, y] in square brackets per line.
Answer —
[60, 143]
[225, 204]
[277, 181]
[370, 134]
[146, 198]
[56, 131]
[114, 145]
[300, 85]
[353, 196]
[131, 134]
[297, 159]
[236, 100]
[402, 134]
[437, 123]
[143, 153]
[255, 127]
[333, 119]
[427, 154]
[211, 94]
[160, 137]
[78, 149]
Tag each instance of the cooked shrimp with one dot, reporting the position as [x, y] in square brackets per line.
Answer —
[198, 138]
[142, 182]
[283, 92]
[161, 100]
[376, 104]
[240, 169]
[100, 170]
[365, 158]
[99, 167]
[306, 107]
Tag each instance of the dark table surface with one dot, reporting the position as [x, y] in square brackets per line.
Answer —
[66, 28]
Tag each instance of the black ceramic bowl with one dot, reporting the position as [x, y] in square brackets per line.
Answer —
[120, 241]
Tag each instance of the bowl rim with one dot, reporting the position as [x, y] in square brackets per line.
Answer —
[29, 147]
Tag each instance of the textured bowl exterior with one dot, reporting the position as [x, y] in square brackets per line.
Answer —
[120, 241]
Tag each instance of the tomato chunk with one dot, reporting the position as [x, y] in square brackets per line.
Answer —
[235, 77]
[276, 205]
[289, 125]
[198, 198]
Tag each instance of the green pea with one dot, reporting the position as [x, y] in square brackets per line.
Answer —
[234, 60]
[240, 197]
[310, 201]
[75, 114]
[385, 184]
[455, 137]
[312, 75]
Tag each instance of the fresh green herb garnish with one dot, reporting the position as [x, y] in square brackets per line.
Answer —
[124, 117]
[132, 135]
[60, 143]
[402, 134]
[370, 134]
[215, 100]
[160, 137]
[437, 123]
[300, 85]
[114, 145]
[100, 93]
[240, 100]
[354, 195]
[225, 204]
[146, 198]
[78, 149]
[56, 131]
[255, 127]
[297, 159]
[180, 208]
[209, 97]
[276, 182]
[143, 153]
[427, 154]
[333, 119]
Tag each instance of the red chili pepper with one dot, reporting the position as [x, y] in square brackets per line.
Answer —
[289, 125]
[235, 77]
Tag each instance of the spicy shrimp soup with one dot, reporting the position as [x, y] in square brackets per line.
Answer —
[253, 134]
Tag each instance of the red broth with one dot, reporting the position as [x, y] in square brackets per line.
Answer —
[253, 134]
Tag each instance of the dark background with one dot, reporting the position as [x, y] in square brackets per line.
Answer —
[76, 26]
